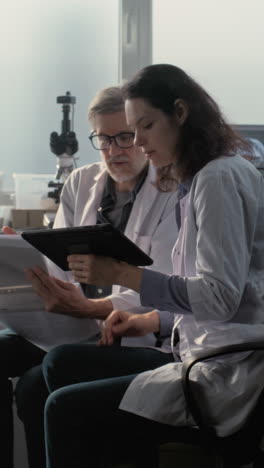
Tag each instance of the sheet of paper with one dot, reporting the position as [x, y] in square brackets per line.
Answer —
[16, 254]
[22, 310]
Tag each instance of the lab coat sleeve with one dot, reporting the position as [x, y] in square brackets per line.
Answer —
[224, 212]
[164, 292]
[166, 320]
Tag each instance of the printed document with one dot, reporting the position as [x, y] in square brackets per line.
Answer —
[22, 310]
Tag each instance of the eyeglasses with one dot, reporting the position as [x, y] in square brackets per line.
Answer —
[123, 140]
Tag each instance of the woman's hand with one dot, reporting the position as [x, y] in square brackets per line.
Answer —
[104, 271]
[92, 269]
[60, 297]
[123, 323]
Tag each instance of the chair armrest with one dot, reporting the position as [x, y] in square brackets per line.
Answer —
[188, 364]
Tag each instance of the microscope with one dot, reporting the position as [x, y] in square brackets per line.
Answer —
[64, 146]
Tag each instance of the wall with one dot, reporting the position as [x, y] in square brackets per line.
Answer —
[48, 48]
[220, 44]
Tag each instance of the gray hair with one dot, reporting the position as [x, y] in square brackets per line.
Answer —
[106, 101]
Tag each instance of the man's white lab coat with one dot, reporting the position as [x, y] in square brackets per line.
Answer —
[151, 225]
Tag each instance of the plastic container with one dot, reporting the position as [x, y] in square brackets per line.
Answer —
[31, 191]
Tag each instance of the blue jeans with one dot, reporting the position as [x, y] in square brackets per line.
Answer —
[83, 425]
[16, 356]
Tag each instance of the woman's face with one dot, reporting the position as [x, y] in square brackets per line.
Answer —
[155, 132]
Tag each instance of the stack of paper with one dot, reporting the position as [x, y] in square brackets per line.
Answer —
[20, 307]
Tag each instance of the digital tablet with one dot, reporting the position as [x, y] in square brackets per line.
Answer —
[100, 239]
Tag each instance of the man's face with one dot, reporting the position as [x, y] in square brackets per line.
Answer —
[123, 164]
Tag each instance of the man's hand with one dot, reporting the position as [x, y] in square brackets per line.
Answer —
[61, 297]
[123, 323]
[8, 230]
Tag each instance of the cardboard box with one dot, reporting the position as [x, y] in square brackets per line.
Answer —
[24, 219]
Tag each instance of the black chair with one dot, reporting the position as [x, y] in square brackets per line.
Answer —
[239, 449]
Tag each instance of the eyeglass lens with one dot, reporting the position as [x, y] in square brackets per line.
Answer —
[123, 140]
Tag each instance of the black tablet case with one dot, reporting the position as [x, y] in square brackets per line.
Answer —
[100, 239]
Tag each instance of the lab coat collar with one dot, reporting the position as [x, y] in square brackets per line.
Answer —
[140, 210]
[184, 187]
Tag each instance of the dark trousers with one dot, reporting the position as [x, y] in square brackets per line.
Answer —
[83, 425]
[16, 357]
[31, 394]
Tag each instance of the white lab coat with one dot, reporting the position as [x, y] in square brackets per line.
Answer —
[220, 251]
[151, 225]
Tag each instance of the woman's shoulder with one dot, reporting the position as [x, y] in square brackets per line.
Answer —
[232, 172]
[235, 161]
[234, 166]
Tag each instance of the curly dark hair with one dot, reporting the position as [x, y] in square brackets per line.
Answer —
[205, 135]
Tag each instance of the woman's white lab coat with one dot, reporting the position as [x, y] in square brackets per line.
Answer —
[220, 252]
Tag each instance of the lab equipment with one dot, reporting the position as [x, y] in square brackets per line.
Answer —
[64, 146]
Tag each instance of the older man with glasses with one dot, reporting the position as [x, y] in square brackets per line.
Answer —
[120, 189]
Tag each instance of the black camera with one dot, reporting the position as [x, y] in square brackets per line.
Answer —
[67, 99]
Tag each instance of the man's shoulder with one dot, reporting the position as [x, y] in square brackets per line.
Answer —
[93, 168]
[89, 171]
